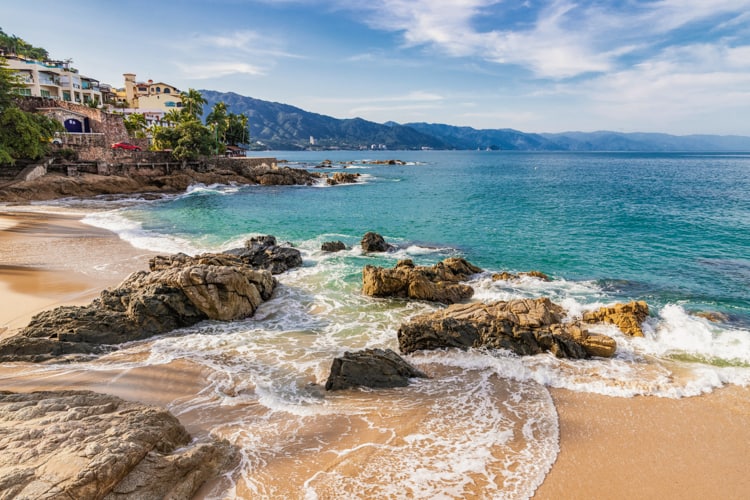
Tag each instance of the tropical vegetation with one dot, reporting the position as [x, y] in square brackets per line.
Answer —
[23, 135]
[188, 137]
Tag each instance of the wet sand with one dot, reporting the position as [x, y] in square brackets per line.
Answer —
[49, 259]
[643, 447]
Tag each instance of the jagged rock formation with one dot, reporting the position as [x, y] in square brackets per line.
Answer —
[333, 246]
[438, 283]
[627, 317]
[342, 178]
[524, 326]
[373, 242]
[506, 276]
[80, 444]
[376, 368]
[53, 186]
[261, 252]
[179, 291]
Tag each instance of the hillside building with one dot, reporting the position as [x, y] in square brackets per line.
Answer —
[55, 80]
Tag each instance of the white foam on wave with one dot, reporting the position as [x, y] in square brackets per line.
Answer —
[199, 189]
[133, 232]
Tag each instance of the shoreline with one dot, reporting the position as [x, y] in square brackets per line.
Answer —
[51, 258]
[641, 447]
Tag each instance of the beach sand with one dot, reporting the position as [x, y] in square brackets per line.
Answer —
[611, 448]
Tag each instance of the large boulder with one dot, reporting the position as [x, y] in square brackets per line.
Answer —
[373, 242]
[262, 252]
[627, 317]
[524, 326]
[376, 368]
[80, 444]
[180, 291]
[438, 283]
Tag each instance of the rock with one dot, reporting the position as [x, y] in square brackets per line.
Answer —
[333, 246]
[143, 180]
[438, 283]
[261, 252]
[342, 178]
[506, 276]
[524, 326]
[376, 368]
[80, 444]
[712, 316]
[373, 242]
[627, 317]
[179, 291]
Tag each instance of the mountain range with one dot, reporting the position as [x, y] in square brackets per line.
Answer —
[284, 127]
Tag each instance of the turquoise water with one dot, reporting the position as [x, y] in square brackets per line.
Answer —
[670, 229]
[661, 227]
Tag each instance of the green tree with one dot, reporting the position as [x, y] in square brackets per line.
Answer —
[136, 125]
[188, 140]
[172, 117]
[9, 84]
[219, 120]
[192, 103]
[237, 130]
[25, 135]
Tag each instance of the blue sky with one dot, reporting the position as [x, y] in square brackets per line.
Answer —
[675, 66]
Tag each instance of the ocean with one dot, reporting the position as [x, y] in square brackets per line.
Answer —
[670, 229]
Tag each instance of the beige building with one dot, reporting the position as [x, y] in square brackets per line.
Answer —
[55, 80]
[151, 96]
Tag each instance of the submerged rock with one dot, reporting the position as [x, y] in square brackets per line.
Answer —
[438, 283]
[627, 317]
[80, 444]
[179, 291]
[376, 368]
[333, 246]
[506, 276]
[524, 326]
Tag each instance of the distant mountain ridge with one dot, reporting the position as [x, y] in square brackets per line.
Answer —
[285, 127]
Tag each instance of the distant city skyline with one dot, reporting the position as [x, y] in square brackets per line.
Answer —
[674, 66]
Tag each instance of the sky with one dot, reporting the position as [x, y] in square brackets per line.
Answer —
[673, 66]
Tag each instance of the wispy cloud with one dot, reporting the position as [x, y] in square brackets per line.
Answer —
[414, 96]
[565, 39]
[206, 70]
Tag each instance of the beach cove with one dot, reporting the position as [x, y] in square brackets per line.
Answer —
[662, 430]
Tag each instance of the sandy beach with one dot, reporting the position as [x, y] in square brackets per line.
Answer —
[611, 448]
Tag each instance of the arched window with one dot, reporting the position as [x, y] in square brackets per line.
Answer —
[158, 90]
[166, 90]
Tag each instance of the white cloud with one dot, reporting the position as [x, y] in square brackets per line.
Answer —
[203, 71]
[565, 40]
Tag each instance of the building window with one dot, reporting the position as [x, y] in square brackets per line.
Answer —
[66, 95]
[166, 90]
[158, 90]
[25, 91]
[45, 93]
[169, 104]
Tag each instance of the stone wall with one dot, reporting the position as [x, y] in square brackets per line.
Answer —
[111, 125]
[237, 164]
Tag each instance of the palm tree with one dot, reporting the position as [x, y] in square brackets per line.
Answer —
[193, 102]
[172, 117]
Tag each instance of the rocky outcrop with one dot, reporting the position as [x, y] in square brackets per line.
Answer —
[333, 246]
[438, 283]
[179, 291]
[261, 252]
[524, 326]
[342, 178]
[80, 444]
[376, 368]
[506, 276]
[144, 180]
[373, 242]
[627, 317]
